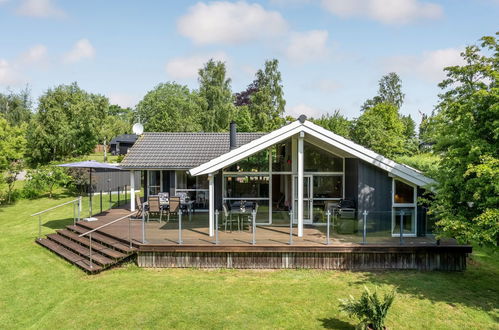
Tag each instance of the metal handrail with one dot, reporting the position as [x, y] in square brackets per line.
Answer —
[89, 233]
[75, 202]
[107, 224]
[54, 207]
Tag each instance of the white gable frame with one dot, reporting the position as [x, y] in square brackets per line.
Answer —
[369, 156]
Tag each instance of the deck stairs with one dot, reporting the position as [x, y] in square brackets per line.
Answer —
[106, 251]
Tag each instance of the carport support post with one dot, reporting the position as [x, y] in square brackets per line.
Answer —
[300, 184]
[132, 191]
[211, 203]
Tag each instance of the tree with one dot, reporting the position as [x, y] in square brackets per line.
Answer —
[427, 132]
[170, 107]
[411, 142]
[216, 93]
[117, 121]
[380, 128]
[66, 124]
[389, 91]
[16, 107]
[12, 148]
[336, 123]
[264, 98]
[467, 135]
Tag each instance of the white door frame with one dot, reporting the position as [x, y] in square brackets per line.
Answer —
[307, 217]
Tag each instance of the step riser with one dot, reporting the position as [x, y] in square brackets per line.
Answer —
[126, 242]
[69, 256]
[104, 240]
[96, 246]
[81, 250]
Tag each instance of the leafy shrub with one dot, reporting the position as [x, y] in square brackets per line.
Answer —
[369, 309]
[44, 180]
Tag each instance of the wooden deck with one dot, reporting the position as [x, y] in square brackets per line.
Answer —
[272, 248]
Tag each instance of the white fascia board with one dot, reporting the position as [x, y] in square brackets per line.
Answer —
[367, 155]
[247, 149]
[322, 134]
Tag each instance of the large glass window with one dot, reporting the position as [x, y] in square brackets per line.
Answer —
[258, 162]
[186, 181]
[319, 160]
[328, 186]
[195, 188]
[281, 157]
[404, 193]
[247, 186]
[154, 186]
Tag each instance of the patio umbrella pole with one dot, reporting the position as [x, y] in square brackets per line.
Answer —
[90, 191]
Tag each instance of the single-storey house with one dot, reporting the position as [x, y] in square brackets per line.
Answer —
[300, 168]
[120, 144]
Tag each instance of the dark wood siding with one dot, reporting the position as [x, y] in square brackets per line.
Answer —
[218, 181]
[375, 191]
[352, 179]
[106, 180]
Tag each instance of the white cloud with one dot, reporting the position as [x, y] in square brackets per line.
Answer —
[123, 100]
[307, 46]
[40, 8]
[35, 55]
[187, 67]
[230, 23]
[9, 75]
[429, 65]
[82, 49]
[385, 11]
[303, 109]
[323, 85]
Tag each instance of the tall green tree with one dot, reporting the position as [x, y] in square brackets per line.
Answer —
[12, 148]
[16, 107]
[336, 123]
[467, 198]
[264, 99]
[170, 107]
[118, 121]
[66, 123]
[389, 91]
[380, 128]
[216, 94]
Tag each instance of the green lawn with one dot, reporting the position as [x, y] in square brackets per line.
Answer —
[40, 290]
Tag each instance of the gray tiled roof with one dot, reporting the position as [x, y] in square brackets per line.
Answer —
[180, 150]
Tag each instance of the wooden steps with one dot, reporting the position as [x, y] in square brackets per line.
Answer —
[106, 251]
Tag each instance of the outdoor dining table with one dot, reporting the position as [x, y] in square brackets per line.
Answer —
[241, 212]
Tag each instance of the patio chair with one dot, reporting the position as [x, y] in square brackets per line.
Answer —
[229, 219]
[249, 219]
[154, 207]
[174, 207]
[138, 206]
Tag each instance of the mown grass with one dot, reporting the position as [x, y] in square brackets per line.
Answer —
[40, 290]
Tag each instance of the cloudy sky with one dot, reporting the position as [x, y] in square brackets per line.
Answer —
[331, 52]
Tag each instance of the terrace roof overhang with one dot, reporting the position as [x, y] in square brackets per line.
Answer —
[308, 128]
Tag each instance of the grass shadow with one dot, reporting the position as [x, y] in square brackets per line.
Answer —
[333, 323]
[58, 223]
[476, 287]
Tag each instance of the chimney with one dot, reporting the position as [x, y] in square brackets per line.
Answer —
[233, 136]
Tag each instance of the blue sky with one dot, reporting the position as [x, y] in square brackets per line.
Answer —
[331, 52]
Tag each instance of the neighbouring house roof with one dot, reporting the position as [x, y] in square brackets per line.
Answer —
[308, 128]
[124, 138]
[180, 150]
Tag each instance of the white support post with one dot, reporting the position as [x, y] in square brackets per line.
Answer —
[300, 184]
[132, 191]
[211, 203]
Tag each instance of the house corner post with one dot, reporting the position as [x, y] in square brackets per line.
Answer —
[300, 184]
[211, 203]
[132, 190]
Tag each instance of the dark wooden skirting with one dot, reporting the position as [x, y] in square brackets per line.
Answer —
[424, 258]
